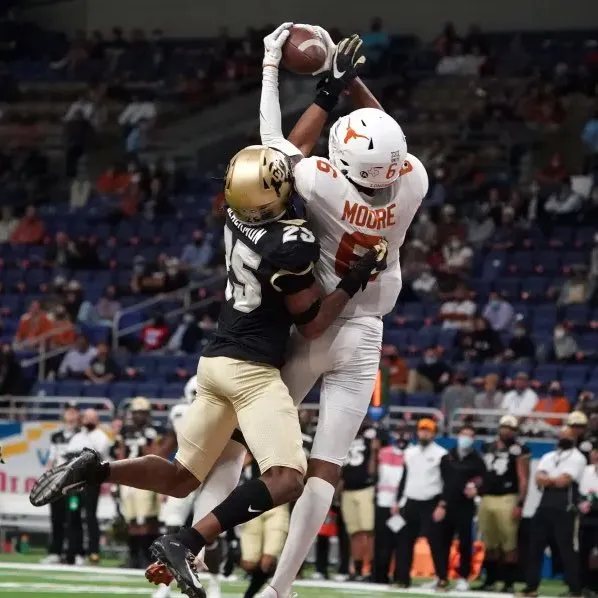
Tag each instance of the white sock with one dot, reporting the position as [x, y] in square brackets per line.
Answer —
[307, 518]
[223, 479]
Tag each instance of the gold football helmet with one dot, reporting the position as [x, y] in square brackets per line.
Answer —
[258, 184]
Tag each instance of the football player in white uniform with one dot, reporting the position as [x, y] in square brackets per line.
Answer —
[369, 188]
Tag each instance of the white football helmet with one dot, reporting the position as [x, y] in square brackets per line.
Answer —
[190, 391]
[369, 147]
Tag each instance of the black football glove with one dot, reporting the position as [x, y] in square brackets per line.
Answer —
[370, 263]
[347, 60]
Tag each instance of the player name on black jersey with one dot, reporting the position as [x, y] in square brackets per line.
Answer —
[254, 323]
[501, 468]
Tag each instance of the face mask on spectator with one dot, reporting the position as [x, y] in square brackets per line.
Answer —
[188, 318]
[519, 332]
[138, 268]
[90, 426]
[455, 244]
[559, 332]
[430, 359]
[565, 444]
[464, 443]
[554, 392]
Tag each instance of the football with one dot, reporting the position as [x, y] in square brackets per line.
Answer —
[303, 52]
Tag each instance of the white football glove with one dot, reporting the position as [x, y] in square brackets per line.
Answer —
[330, 46]
[273, 45]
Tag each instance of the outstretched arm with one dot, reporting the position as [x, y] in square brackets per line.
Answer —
[362, 97]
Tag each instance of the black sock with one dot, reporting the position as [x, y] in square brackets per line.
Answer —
[258, 579]
[358, 566]
[213, 557]
[244, 503]
[491, 571]
[192, 539]
[133, 543]
[509, 573]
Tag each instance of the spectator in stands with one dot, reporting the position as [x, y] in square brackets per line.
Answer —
[434, 156]
[521, 346]
[554, 402]
[8, 223]
[457, 257]
[62, 253]
[82, 107]
[155, 333]
[197, 255]
[459, 311]
[32, 325]
[554, 174]
[482, 343]
[481, 227]
[396, 366]
[375, 41]
[578, 288]
[186, 337]
[425, 285]
[456, 62]
[114, 180]
[564, 346]
[431, 375]
[522, 400]
[157, 202]
[136, 110]
[74, 303]
[145, 278]
[80, 190]
[490, 397]
[77, 54]
[458, 394]
[424, 229]
[108, 305]
[12, 378]
[449, 225]
[175, 277]
[499, 313]
[447, 38]
[563, 204]
[30, 230]
[102, 369]
[63, 332]
[78, 359]
[78, 137]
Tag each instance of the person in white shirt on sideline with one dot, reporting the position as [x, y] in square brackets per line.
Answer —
[58, 510]
[522, 400]
[418, 501]
[93, 437]
[391, 468]
[558, 475]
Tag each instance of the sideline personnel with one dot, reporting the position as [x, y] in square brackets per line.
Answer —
[558, 475]
[419, 494]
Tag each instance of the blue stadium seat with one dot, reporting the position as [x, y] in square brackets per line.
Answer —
[491, 368]
[151, 390]
[578, 314]
[96, 390]
[173, 390]
[69, 388]
[398, 337]
[546, 372]
[422, 399]
[44, 388]
[122, 390]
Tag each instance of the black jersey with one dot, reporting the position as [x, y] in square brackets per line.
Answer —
[59, 442]
[263, 264]
[356, 469]
[501, 468]
[134, 440]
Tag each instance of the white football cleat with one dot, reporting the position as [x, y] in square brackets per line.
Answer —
[462, 585]
[214, 587]
[270, 592]
[51, 559]
[79, 561]
[163, 591]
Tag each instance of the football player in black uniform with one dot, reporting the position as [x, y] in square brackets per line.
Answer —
[270, 257]
[505, 488]
[140, 507]
[357, 499]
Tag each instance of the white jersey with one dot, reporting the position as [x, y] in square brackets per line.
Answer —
[347, 223]
[175, 417]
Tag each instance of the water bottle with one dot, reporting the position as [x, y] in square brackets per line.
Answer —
[24, 545]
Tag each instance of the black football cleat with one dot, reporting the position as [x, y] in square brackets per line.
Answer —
[68, 478]
[179, 561]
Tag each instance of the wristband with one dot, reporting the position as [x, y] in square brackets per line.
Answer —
[350, 284]
[441, 504]
[520, 503]
[327, 99]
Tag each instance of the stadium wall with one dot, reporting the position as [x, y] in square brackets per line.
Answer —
[188, 18]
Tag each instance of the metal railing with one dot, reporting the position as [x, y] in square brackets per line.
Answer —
[536, 425]
[50, 407]
[46, 353]
[184, 294]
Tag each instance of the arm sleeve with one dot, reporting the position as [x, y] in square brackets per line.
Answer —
[305, 178]
[270, 117]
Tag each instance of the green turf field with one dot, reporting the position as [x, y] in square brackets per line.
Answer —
[22, 578]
